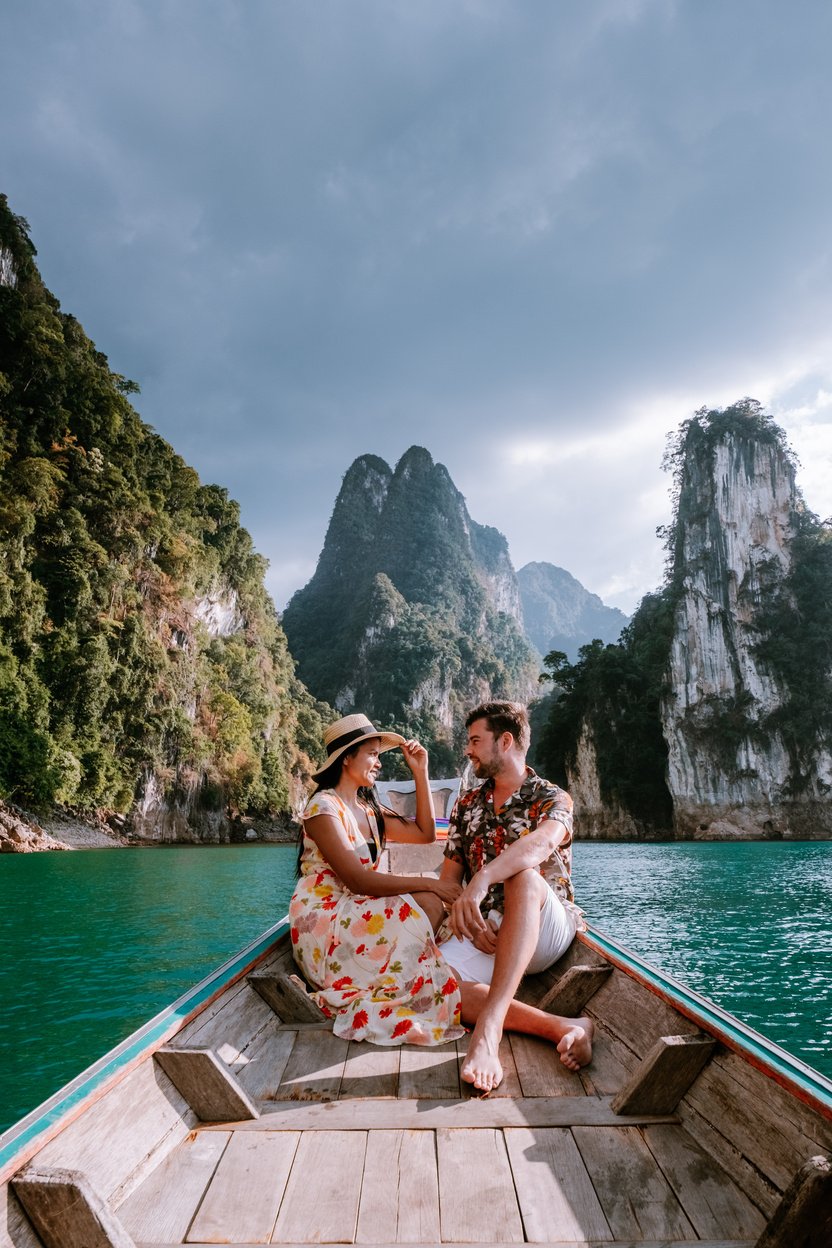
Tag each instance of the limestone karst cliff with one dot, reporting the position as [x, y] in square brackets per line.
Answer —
[713, 716]
[414, 611]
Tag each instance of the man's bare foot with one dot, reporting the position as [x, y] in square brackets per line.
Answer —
[575, 1047]
[482, 1066]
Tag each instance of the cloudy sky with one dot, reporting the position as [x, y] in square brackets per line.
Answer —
[530, 235]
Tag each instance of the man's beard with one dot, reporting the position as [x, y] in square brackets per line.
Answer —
[485, 769]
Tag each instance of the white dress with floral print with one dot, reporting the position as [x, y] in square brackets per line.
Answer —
[373, 960]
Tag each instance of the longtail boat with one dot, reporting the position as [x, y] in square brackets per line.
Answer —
[235, 1116]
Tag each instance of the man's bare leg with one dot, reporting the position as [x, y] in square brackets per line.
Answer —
[516, 943]
[571, 1036]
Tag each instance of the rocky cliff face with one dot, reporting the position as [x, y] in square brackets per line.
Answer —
[730, 660]
[729, 767]
[414, 609]
[560, 614]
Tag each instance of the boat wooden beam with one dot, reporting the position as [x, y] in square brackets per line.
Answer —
[659, 1083]
[66, 1212]
[803, 1219]
[206, 1083]
[287, 997]
[569, 994]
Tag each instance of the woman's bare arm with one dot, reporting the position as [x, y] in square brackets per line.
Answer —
[329, 836]
[422, 831]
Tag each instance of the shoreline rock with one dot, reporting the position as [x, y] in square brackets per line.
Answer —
[21, 835]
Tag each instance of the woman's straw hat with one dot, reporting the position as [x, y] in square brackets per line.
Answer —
[350, 731]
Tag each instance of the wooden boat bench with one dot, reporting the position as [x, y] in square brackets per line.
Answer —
[669, 1137]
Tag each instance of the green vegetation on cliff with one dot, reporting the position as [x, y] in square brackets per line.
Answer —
[615, 692]
[402, 618]
[113, 557]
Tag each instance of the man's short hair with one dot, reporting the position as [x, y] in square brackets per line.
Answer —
[504, 717]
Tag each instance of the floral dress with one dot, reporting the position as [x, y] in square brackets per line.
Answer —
[373, 960]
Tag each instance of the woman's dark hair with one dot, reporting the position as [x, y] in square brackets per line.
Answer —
[328, 779]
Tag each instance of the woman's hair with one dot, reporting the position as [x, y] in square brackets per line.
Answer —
[328, 779]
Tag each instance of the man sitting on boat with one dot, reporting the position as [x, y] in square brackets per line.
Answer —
[510, 841]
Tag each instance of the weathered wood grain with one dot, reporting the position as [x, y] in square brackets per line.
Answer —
[15, 1228]
[665, 1075]
[477, 1200]
[712, 1202]
[142, 1118]
[370, 1070]
[400, 1192]
[244, 1195]
[634, 1014]
[233, 1029]
[211, 1090]
[429, 1074]
[66, 1212]
[540, 1070]
[284, 993]
[262, 1066]
[635, 1196]
[469, 1111]
[570, 993]
[759, 1189]
[162, 1208]
[554, 1191]
[314, 1069]
[552, 1243]
[321, 1200]
[803, 1219]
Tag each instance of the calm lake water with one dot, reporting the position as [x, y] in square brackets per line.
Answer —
[95, 942]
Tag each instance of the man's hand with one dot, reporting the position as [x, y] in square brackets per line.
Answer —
[486, 941]
[465, 915]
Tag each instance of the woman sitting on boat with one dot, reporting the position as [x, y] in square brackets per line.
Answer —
[363, 939]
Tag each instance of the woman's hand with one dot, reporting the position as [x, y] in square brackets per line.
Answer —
[416, 757]
[446, 890]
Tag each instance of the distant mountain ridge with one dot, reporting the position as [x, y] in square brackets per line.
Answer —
[413, 613]
[560, 614]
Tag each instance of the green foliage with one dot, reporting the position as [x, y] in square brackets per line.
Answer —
[795, 621]
[616, 691]
[108, 541]
[397, 621]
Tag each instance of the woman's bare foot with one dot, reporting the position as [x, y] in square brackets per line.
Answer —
[482, 1066]
[575, 1047]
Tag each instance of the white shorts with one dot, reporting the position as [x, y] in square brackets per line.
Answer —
[558, 924]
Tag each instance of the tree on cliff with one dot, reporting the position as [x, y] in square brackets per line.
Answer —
[110, 548]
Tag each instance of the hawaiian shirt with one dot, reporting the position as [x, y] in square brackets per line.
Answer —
[477, 833]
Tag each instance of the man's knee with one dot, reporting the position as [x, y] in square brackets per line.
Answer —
[525, 887]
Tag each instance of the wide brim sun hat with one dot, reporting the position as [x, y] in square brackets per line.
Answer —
[349, 731]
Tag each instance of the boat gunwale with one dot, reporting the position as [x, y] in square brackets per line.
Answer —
[802, 1081]
[20, 1142]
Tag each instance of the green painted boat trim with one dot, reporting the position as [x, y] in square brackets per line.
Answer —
[146, 1039]
[765, 1054]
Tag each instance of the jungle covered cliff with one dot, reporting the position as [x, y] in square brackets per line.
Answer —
[143, 668]
[712, 718]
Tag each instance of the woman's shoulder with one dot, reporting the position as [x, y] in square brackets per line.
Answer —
[324, 802]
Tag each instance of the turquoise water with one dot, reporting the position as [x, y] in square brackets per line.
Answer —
[96, 942]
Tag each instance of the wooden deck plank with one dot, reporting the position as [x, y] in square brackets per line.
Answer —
[540, 1070]
[555, 1192]
[163, 1207]
[552, 1243]
[320, 1204]
[760, 1190]
[265, 1062]
[429, 1073]
[714, 1205]
[370, 1070]
[376, 1113]
[244, 1195]
[400, 1193]
[634, 1194]
[314, 1069]
[477, 1200]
